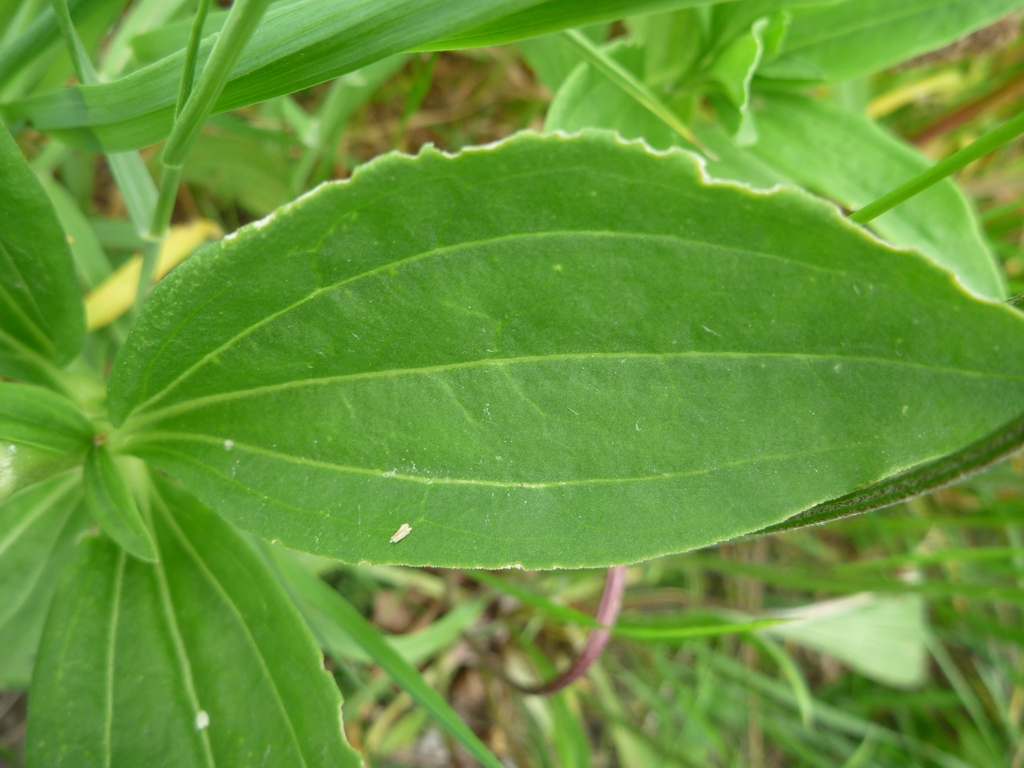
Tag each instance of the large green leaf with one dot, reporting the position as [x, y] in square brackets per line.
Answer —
[42, 319]
[38, 527]
[840, 41]
[298, 44]
[200, 660]
[552, 351]
[819, 145]
[41, 433]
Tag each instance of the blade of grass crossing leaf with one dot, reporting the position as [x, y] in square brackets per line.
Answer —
[963, 689]
[865, 752]
[978, 149]
[636, 630]
[568, 733]
[826, 715]
[365, 634]
[793, 676]
[625, 79]
[530, 598]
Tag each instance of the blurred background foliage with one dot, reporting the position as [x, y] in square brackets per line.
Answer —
[902, 643]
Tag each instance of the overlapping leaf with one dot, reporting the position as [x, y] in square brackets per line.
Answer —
[840, 41]
[200, 660]
[41, 433]
[821, 146]
[42, 320]
[554, 351]
[38, 527]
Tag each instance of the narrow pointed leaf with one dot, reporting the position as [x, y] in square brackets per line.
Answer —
[552, 351]
[38, 527]
[301, 43]
[199, 660]
[332, 610]
[112, 505]
[42, 319]
[41, 433]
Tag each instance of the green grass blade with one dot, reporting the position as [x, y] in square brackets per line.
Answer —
[366, 635]
[793, 676]
[632, 85]
[978, 149]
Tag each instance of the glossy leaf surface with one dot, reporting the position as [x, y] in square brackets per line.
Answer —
[819, 145]
[840, 41]
[553, 351]
[41, 313]
[40, 433]
[37, 531]
[200, 660]
[299, 44]
[112, 506]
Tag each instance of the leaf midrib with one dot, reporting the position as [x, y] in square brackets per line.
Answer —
[447, 249]
[180, 652]
[137, 422]
[502, 484]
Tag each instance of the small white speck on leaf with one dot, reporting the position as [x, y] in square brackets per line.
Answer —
[202, 720]
[229, 444]
[710, 331]
[401, 533]
[638, 426]
[905, 409]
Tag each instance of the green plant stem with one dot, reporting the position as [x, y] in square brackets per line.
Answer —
[188, 70]
[84, 69]
[245, 15]
[625, 79]
[987, 143]
[193, 107]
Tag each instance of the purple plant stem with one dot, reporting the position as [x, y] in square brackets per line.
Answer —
[607, 613]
